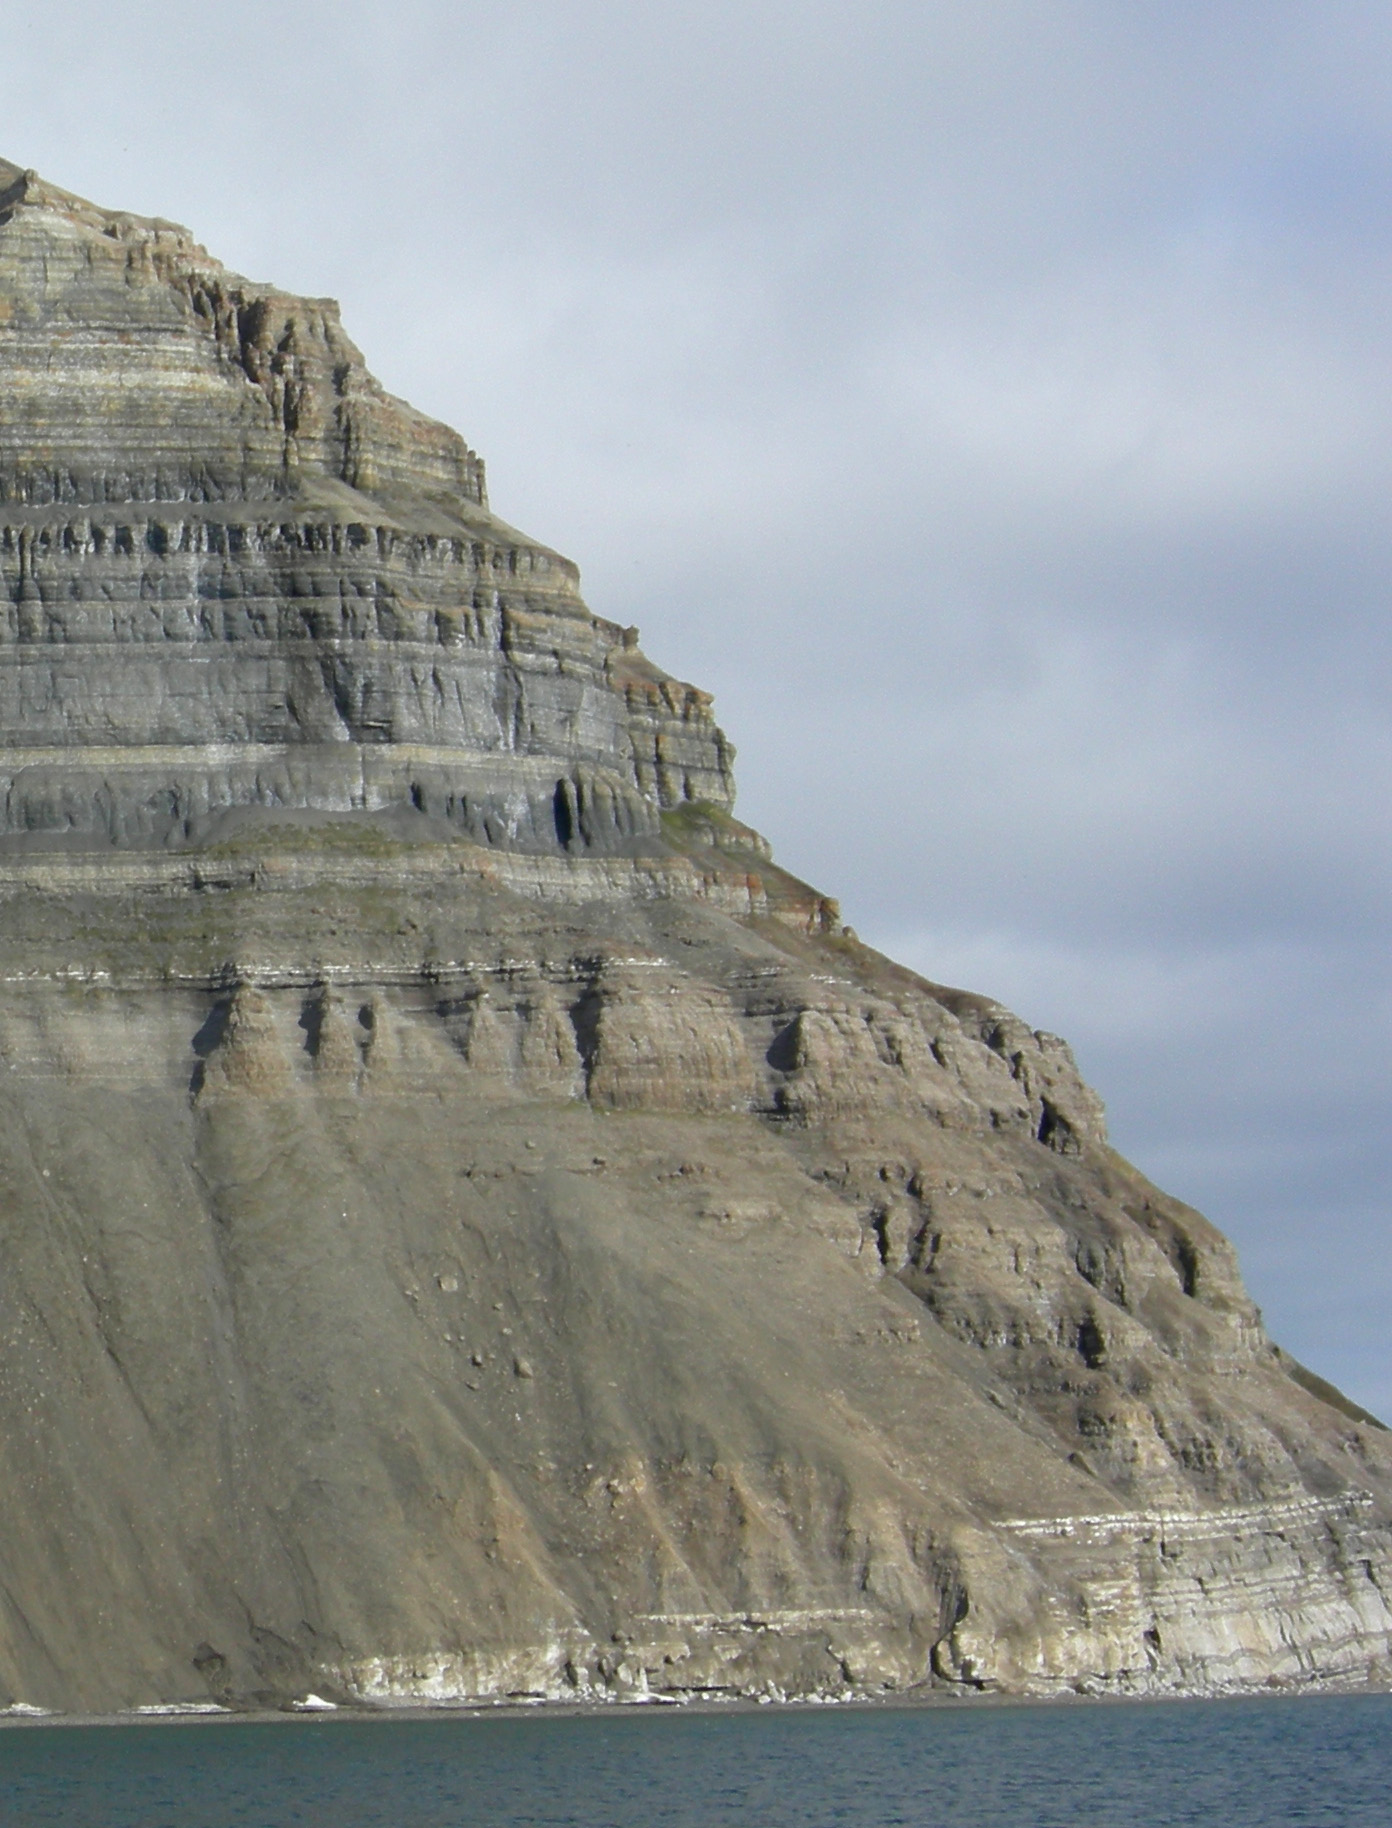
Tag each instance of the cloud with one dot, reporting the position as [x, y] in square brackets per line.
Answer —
[991, 403]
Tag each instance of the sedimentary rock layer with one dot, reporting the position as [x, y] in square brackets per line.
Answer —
[217, 533]
[471, 1225]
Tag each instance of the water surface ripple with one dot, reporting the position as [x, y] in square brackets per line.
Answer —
[1240, 1764]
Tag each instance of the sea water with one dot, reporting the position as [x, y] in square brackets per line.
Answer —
[1224, 1764]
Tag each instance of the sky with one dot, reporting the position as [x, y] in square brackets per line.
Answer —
[988, 401]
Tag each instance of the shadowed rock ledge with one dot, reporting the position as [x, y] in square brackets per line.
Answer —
[471, 1225]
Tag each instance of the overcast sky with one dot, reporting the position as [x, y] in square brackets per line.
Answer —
[988, 401]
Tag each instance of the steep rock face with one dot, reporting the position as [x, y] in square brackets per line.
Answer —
[471, 1225]
[235, 570]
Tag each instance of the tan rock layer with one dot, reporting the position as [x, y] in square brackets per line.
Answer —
[611, 1298]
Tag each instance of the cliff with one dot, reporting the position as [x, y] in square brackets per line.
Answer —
[237, 573]
[471, 1225]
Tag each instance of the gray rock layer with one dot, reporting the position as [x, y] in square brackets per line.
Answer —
[217, 530]
[470, 1225]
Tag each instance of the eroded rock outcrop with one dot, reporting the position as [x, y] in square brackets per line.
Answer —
[238, 574]
[471, 1224]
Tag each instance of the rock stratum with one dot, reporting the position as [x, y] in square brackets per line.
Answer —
[471, 1226]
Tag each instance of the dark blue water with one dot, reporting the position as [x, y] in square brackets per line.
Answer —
[1223, 1764]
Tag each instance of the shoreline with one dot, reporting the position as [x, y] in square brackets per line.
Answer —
[327, 1713]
